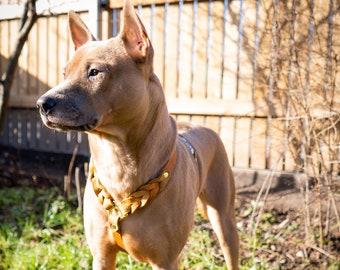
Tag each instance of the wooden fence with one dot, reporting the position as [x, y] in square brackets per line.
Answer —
[260, 73]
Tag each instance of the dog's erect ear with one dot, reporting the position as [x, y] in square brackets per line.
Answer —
[79, 32]
[134, 35]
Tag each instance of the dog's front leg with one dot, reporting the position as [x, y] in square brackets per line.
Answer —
[98, 233]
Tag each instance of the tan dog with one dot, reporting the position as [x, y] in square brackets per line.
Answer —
[111, 92]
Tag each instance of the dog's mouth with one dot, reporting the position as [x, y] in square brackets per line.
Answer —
[53, 124]
[59, 127]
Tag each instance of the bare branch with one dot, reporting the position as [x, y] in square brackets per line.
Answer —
[28, 20]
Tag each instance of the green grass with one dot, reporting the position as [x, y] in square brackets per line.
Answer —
[39, 229]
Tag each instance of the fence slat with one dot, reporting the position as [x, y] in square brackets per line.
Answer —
[258, 144]
[170, 49]
[241, 154]
[185, 60]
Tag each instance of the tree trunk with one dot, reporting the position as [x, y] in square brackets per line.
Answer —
[29, 18]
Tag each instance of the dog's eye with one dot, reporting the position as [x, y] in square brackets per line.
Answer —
[93, 72]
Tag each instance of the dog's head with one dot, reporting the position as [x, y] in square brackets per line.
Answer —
[105, 82]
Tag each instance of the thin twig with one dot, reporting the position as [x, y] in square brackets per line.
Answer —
[69, 173]
[79, 195]
[321, 251]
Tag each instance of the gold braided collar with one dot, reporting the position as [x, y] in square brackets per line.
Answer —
[138, 199]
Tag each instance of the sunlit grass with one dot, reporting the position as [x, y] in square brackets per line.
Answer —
[39, 229]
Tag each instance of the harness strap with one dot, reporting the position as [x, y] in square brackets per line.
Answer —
[189, 146]
[117, 211]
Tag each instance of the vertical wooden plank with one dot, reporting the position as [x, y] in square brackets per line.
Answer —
[69, 45]
[329, 90]
[63, 35]
[324, 148]
[19, 86]
[290, 164]
[45, 139]
[184, 65]
[312, 166]
[8, 31]
[3, 45]
[116, 15]
[146, 15]
[158, 42]
[83, 144]
[52, 51]
[258, 149]
[229, 81]
[246, 50]
[37, 134]
[183, 118]
[242, 142]
[61, 142]
[13, 34]
[197, 120]
[256, 47]
[23, 74]
[199, 67]
[106, 24]
[32, 60]
[214, 71]
[31, 119]
[271, 87]
[16, 128]
[291, 78]
[22, 129]
[213, 122]
[68, 140]
[9, 135]
[55, 139]
[5, 131]
[319, 49]
[12, 129]
[227, 135]
[42, 55]
[265, 13]
[171, 50]
[276, 145]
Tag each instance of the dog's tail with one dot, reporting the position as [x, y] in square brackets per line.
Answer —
[183, 127]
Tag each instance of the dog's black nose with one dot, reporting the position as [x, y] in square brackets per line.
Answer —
[46, 104]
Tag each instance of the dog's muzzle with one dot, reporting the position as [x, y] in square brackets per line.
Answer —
[64, 116]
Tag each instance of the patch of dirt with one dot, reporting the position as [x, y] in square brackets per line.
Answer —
[37, 169]
[281, 239]
[274, 233]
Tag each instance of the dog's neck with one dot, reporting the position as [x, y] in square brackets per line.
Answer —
[128, 157]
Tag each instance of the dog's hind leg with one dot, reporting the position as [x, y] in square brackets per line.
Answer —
[226, 231]
[223, 224]
[216, 201]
